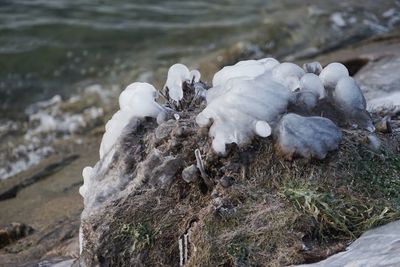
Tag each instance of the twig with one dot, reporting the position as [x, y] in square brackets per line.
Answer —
[167, 98]
[200, 166]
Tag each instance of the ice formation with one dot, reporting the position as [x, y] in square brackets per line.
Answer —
[310, 82]
[244, 69]
[331, 74]
[288, 74]
[137, 100]
[306, 136]
[177, 75]
[241, 108]
[349, 99]
[348, 96]
[250, 97]
[247, 99]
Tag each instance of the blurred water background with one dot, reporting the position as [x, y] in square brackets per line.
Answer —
[55, 52]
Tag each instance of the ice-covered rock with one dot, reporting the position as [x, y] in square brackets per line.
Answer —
[136, 102]
[313, 67]
[306, 136]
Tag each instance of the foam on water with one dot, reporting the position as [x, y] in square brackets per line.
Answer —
[26, 144]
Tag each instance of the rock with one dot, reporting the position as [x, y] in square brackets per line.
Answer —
[306, 99]
[14, 232]
[380, 82]
[162, 176]
[227, 181]
[384, 125]
[387, 104]
[12, 191]
[53, 262]
[377, 247]
[223, 207]
[190, 174]
[164, 129]
[312, 67]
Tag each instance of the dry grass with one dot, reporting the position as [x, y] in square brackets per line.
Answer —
[268, 217]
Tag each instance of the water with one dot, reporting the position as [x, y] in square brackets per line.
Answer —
[52, 47]
[48, 45]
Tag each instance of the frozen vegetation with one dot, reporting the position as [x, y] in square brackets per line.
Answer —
[136, 101]
[165, 150]
[251, 98]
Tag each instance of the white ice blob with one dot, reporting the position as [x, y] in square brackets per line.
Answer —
[194, 76]
[244, 69]
[177, 75]
[306, 136]
[263, 129]
[269, 63]
[86, 174]
[331, 74]
[288, 74]
[351, 101]
[312, 83]
[348, 95]
[243, 108]
[137, 100]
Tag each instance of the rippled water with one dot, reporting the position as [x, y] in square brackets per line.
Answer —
[51, 47]
[48, 45]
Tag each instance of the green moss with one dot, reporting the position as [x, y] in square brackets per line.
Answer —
[336, 213]
[138, 236]
[238, 250]
[374, 175]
